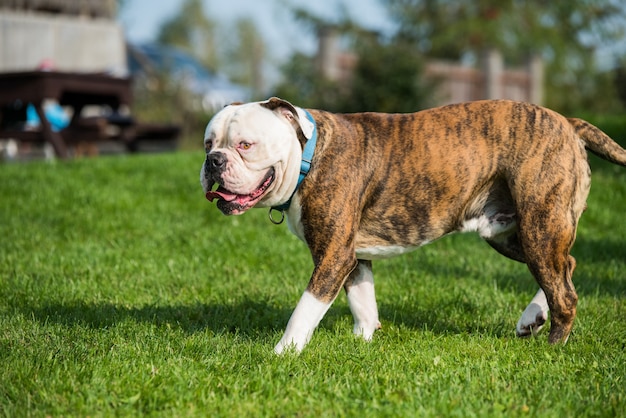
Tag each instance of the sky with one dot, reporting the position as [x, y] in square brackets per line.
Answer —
[141, 19]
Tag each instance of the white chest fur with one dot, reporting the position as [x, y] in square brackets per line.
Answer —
[294, 217]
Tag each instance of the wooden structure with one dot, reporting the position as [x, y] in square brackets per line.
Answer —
[454, 83]
[83, 44]
[73, 35]
[91, 8]
[74, 91]
[490, 80]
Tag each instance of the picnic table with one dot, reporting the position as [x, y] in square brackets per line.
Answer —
[75, 90]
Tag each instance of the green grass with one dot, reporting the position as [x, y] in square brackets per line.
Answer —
[123, 292]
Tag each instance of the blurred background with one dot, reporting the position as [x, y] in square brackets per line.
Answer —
[189, 58]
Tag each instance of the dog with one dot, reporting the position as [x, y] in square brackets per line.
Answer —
[364, 186]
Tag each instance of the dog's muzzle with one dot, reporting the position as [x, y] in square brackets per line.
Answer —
[215, 163]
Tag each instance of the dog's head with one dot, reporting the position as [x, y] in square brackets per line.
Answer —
[253, 154]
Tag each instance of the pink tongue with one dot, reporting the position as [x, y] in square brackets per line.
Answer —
[220, 193]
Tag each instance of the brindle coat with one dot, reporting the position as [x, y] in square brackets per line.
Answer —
[516, 172]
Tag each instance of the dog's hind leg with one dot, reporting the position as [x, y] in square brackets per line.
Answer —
[508, 245]
[547, 239]
[362, 300]
[541, 240]
[536, 313]
[561, 297]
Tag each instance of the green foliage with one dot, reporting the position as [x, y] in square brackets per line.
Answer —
[240, 52]
[444, 29]
[613, 125]
[564, 33]
[306, 87]
[620, 81]
[163, 100]
[192, 31]
[386, 78]
[244, 56]
[123, 292]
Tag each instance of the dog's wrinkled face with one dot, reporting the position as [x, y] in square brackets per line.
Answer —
[253, 155]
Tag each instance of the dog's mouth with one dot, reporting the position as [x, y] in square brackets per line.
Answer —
[232, 203]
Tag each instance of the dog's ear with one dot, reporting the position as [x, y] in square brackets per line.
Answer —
[295, 115]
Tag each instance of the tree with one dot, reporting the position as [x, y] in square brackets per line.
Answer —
[240, 54]
[192, 31]
[304, 81]
[245, 56]
[386, 76]
[303, 84]
[620, 81]
[563, 32]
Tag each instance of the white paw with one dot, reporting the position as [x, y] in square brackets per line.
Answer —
[286, 346]
[534, 316]
[304, 319]
[366, 331]
[532, 321]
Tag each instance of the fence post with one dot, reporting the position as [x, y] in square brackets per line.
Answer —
[327, 54]
[535, 78]
[493, 67]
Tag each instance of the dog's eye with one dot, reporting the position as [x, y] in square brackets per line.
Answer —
[208, 145]
[245, 145]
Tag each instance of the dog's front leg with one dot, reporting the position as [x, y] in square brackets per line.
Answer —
[362, 300]
[329, 276]
[304, 319]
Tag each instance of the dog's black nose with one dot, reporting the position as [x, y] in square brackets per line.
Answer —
[216, 161]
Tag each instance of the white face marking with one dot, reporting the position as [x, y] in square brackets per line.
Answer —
[304, 319]
[254, 140]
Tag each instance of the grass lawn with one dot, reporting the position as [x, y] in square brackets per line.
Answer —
[123, 292]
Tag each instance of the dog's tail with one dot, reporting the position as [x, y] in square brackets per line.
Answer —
[598, 142]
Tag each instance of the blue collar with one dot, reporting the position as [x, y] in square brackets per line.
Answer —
[305, 165]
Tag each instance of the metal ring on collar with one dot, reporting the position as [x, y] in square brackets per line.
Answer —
[274, 221]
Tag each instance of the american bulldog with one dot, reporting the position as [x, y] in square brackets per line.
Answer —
[364, 186]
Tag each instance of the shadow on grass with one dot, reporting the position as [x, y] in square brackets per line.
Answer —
[250, 318]
[596, 261]
[599, 254]
[446, 320]
[246, 318]
[593, 277]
